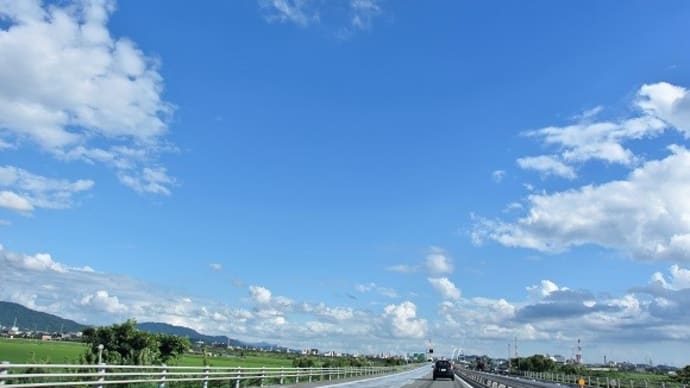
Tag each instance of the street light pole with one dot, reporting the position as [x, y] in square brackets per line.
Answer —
[100, 354]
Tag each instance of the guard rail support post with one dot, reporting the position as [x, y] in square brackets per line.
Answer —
[239, 377]
[101, 373]
[632, 385]
[164, 372]
[645, 384]
[597, 381]
[297, 376]
[261, 379]
[663, 384]
[3, 372]
[282, 376]
[311, 371]
[206, 370]
[607, 382]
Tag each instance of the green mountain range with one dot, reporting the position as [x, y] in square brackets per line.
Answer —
[32, 320]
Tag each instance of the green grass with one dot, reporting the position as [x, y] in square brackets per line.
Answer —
[245, 362]
[20, 351]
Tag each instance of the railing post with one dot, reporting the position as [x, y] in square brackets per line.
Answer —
[206, 371]
[164, 372]
[297, 375]
[3, 372]
[101, 373]
[310, 371]
[282, 376]
[239, 377]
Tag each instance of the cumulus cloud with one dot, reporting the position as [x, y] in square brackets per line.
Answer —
[445, 287]
[28, 191]
[403, 322]
[645, 214]
[543, 289]
[657, 108]
[668, 102]
[102, 301]
[438, 261]
[260, 295]
[679, 278]
[70, 88]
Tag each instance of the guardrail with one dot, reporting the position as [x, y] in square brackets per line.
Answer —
[546, 379]
[602, 382]
[492, 381]
[162, 376]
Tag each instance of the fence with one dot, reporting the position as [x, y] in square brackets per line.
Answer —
[69, 375]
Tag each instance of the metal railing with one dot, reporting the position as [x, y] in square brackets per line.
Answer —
[601, 381]
[162, 376]
[543, 379]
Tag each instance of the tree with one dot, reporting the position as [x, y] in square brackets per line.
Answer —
[683, 375]
[125, 344]
[171, 346]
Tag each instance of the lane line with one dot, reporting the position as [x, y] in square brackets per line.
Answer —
[371, 379]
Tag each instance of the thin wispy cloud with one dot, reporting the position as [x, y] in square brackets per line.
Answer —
[345, 17]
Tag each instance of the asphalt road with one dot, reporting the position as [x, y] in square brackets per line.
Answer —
[428, 382]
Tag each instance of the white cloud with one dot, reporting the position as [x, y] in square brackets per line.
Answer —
[102, 301]
[37, 191]
[216, 266]
[149, 180]
[66, 84]
[260, 295]
[438, 261]
[13, 201]
[403, 322]
[668, 102]
[300, 12]
[547, 165]
[37, 262]
[658, 107]
[543, 289]
[646, 214]
[402, 268]
[445, 287]
[679, 278]
[369, 287]
[498, 175]
[351, 15]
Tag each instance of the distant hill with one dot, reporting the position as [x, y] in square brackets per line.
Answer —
[193, 335]
[32, 320]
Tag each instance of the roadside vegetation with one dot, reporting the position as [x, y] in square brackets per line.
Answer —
[541, 364]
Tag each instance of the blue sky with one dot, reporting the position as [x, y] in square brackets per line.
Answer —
[355, 175]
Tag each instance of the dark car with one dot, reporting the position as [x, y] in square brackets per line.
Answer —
[443, 368]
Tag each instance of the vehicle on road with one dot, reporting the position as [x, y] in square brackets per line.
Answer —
[443, 368]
